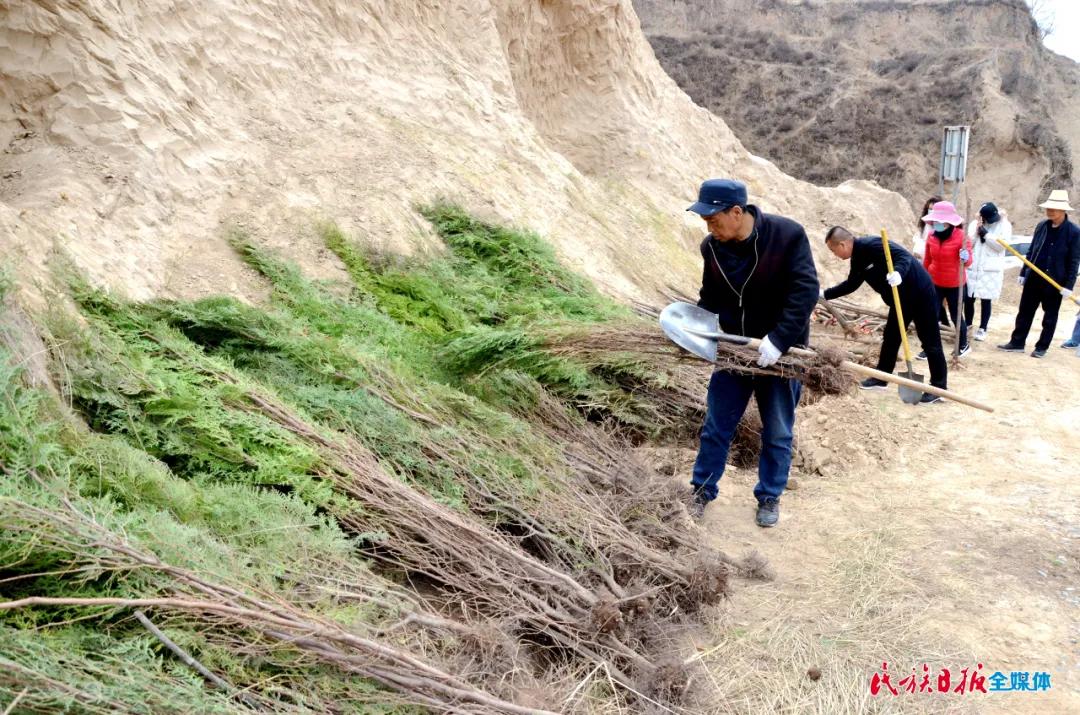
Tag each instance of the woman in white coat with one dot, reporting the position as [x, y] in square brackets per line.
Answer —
[987, 264]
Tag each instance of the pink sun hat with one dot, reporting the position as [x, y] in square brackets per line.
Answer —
[945, 212]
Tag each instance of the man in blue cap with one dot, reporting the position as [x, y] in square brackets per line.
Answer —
[759, 278]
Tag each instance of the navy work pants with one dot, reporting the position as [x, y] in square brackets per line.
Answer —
[729, 394]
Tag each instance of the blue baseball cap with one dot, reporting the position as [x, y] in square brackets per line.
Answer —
[717, 195]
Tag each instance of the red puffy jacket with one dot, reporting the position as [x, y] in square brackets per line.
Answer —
[942, 258]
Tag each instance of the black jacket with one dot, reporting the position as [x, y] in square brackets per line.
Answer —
[1059, 260]
[868, 265]
[780, 290]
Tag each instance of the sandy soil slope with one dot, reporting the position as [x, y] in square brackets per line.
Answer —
[133, 138]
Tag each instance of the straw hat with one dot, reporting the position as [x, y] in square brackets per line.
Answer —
[945, 212]
[1059, 199]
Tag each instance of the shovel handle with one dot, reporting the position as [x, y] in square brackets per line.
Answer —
[900, 324]
[888, 377]
[856, 368]
[722, 337]
[1035, 268]
[921, 387]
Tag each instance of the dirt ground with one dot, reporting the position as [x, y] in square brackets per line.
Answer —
[937, 535]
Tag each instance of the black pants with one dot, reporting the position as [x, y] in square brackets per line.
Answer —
[1037, 293]
[969, 311]
[951, 296]
[943, 315]
[920, 307]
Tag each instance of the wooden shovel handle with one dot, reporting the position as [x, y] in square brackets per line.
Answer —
[897, 379]
[900, 323]
[887, 377]
[1035, 268]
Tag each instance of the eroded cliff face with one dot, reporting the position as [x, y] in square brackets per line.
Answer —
[136, 137]
[834, 89]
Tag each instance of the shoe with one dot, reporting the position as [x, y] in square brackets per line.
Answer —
[1068, 344]
[872, 383]
[697, 505]
[921, 355]
[965, 350]
[1038, 353]
[768, 512]
[980, 334]
[1011, 348]
[928, 399]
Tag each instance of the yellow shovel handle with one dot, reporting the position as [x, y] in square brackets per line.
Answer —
[901, 325]
[1035, 268]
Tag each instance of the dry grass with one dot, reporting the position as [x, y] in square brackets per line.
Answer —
[863, 608]
[759, 649]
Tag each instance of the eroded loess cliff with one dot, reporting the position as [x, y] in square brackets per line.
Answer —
[833, 90]
[135, 136]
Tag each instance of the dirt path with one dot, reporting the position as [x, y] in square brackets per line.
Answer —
[959, 544]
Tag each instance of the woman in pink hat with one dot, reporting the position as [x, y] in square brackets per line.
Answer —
[946, 249]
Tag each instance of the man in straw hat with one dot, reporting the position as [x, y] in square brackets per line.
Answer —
[1055, 248]
[759, 278]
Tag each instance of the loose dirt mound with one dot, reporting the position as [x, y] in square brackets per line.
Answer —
[839, 435]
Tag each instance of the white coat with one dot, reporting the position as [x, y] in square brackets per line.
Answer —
[918, 241]
[988, 259]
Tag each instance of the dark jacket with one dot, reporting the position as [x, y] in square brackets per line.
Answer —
[868, 265]
[1059, 259]
[780, 287]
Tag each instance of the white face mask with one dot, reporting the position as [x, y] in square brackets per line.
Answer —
[939, 226]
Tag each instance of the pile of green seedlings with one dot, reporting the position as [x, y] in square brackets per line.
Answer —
[383, 497]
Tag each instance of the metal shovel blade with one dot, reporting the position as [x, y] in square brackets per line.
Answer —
[695, 329]
[684, 324]
[910, 395]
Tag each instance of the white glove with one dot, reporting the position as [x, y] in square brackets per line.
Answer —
[964, 255]
[893, 278]
[1020, 280]
[1065, 293]
[768, 353]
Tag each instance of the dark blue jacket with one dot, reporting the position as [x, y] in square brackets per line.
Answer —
[868, 265]
[1059, 260]
[780, 289]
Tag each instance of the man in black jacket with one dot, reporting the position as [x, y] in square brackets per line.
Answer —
[1055, 248]
[918, 299]
[759, 278]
